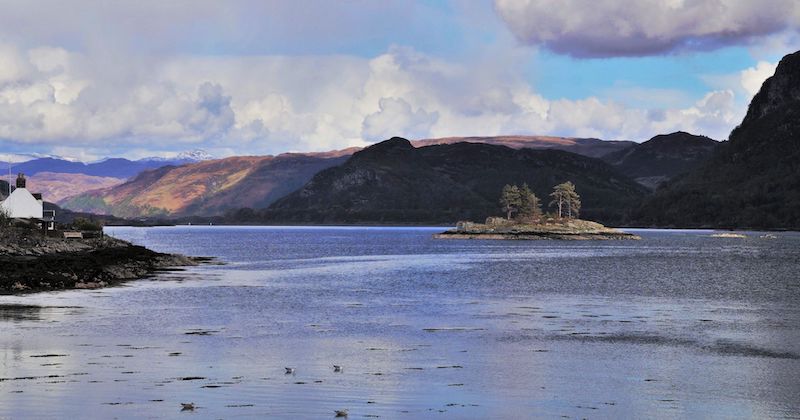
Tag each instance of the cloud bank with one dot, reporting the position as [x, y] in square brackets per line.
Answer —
[253, 77]
[612, 28]
[270, 104]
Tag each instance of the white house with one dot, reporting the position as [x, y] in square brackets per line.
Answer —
[21, 204]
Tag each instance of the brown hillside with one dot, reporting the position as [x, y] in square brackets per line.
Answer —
[582, 146]
[55, 187]
[205, 188]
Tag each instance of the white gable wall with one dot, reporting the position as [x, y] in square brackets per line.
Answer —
[21, 204]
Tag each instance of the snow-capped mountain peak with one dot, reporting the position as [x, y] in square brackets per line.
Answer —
[194, 155]
[188, 156]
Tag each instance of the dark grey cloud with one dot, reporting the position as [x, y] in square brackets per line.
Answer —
[614, 28]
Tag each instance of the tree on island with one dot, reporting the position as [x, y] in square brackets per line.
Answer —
[510, 200]
[530, 208]
[520, 201]
[565, 197]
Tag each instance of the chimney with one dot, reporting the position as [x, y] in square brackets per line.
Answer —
[21, 180]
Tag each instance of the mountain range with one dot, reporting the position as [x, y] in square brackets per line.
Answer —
[394, 182]
[217, 187]
[113, 167]
[213, 187]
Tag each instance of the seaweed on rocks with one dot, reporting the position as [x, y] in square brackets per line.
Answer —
[31, 262]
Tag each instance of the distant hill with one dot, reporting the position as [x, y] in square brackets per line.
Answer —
[753, 180]
[58, 178]
[393, 182]
[114, 167]
[205, 188]
[55, 187]
[582, 146]
[662, 157]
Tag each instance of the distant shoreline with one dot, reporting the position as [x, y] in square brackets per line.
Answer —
[440, 225]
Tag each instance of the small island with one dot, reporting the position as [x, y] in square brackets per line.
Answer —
[525, 221]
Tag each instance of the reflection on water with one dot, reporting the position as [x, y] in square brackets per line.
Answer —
[21, 312]
[680, 324]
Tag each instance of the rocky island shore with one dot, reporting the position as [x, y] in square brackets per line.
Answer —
[31, 262]
[566, 229]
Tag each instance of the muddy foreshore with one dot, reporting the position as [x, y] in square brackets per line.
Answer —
[30, 262]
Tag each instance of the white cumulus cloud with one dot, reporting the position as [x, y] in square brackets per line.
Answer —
[397, 116]
[272, 104]
[753, 77]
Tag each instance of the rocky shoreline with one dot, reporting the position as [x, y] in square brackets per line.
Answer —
[30, 262]
[499, 229]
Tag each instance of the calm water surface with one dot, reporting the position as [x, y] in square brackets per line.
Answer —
[677, 325]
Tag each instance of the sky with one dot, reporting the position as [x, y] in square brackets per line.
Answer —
[91, 79]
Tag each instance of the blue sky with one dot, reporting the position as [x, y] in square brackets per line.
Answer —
[151, 78]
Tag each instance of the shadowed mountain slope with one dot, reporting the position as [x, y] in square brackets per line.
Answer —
[662, 157]
[393, 182]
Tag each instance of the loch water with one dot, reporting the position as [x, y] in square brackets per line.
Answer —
[680, 324]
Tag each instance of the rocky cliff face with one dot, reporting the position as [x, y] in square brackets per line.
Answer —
[663, 157]
[778, 91]
[393, 182]
[753, 180]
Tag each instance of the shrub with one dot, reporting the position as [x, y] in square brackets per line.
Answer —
[81, 223]
[5, 220]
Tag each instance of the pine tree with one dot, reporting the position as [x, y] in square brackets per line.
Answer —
[559, 198]
[510, 200]
[564, 195]
[529, 206]
[573, 201]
